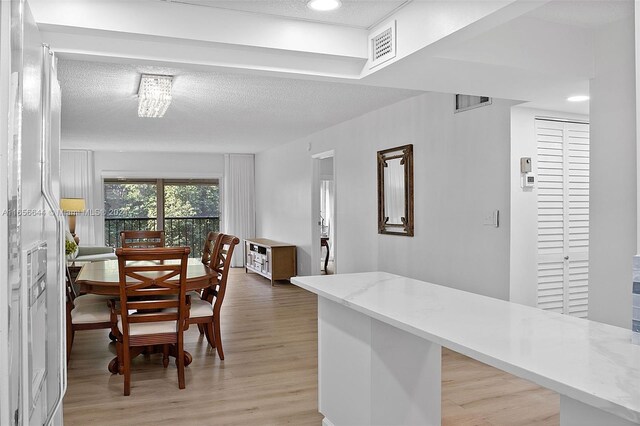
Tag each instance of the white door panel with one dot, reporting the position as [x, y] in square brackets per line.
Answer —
[563, 216]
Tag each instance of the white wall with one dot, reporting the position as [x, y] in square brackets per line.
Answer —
[524, 210]
[283, 198]
[151, 165]
[461, 175]
[613, 175]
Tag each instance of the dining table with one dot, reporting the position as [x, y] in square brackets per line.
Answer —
[103, 278]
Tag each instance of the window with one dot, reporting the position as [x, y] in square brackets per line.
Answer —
[185, 209]
[467, 102]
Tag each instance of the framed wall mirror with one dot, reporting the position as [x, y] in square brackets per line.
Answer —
[395, 191]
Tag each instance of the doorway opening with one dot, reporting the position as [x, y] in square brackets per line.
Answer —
[324, 208]
[327, 218]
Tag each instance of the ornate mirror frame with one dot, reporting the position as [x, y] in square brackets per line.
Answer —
[404, 226]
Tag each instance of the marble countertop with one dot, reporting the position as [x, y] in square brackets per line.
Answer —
[585, 360]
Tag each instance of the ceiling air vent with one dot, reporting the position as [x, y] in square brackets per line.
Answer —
[467, 102]
[382, 44]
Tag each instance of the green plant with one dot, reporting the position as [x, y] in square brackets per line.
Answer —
[69, 247]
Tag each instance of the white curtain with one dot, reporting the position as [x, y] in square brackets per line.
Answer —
[238, 201]
[76, 181]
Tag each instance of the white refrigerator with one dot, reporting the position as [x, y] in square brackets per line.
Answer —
[32, 305]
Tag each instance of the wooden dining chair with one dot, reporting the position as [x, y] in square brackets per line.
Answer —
[154, 308]
[141, 239]
[206, 310]
[87, 312]
[209, 247]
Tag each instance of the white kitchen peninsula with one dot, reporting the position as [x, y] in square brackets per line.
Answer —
[380, 338]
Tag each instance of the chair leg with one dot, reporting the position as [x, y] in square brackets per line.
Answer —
[120, 356]
[210, 334]
[217, 337]
[165, 355]
[126, 361]
[70, 336]
[201, 328]
[181, 381]
[70, 332]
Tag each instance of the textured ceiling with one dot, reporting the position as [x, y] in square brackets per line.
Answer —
[355, 13]
[210, 112]
[587, 14]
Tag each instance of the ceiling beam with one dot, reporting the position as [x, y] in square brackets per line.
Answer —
[107, 46]
[201, 24]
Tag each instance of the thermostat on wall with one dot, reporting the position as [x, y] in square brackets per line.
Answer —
[529, 180]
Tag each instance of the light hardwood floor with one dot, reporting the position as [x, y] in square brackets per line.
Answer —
[269, 376]
[474, 394]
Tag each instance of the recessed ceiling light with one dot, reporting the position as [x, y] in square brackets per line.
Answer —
[324, 5]
[578, 98]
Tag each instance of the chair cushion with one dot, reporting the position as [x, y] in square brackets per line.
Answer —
[95, 250]
[90, 299]
[194, 295]
[96, 257]
[90, 313]
[200, 308]
[138, 329]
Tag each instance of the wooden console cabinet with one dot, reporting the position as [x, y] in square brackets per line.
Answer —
[271, 259]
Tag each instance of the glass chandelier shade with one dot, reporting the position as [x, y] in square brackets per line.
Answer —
[154, 95]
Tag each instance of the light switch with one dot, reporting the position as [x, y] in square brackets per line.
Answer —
[492, 218]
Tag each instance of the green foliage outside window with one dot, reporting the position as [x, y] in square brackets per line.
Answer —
[191, 210]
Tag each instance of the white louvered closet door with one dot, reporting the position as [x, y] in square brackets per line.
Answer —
[563, 217]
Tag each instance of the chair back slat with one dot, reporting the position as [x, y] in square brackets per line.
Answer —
[142, 239]
[157, 304]
[144, 279]
[148, 275]
[136, 319]
[153, 267]
[209, 245]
